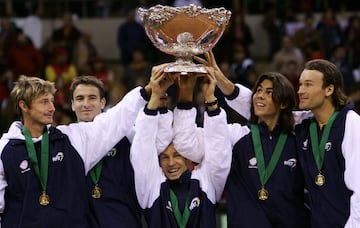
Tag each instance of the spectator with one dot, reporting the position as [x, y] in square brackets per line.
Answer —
[352, 37]
[104, 74]
[287, 52]
[339, 57]
[23, 58]
[130, 36]
[309, 40]
[275, 30]
[67, 35]
[243, 67]
[330, 31]
[60, 67]
[84, 51]
[137, 72]
[238, 33]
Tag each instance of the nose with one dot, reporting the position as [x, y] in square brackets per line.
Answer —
[86, 103]
[171, 161]
[300, 90]
[259, 95]
[52, 107]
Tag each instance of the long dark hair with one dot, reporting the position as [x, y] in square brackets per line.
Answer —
[283, 94]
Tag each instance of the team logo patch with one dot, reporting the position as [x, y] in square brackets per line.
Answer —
[112, 152]
[58, 157]
[24, 166]
[194, 203]
[290, 162]
[328, 146]
[168, 206]
[252, 163]
[305, 145]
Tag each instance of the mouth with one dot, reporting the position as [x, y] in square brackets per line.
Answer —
[260, 105]
[172, 171]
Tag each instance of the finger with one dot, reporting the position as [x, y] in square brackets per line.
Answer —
[201, 60]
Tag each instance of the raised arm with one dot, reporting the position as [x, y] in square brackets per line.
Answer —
[214, 168]
[237, 96]
[94, 139]
[186, 135]
[153, 133]
[351, 152]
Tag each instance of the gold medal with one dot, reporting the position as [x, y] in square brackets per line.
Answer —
[263, 194]
[96, 192]
[319, 180]
[44, 199]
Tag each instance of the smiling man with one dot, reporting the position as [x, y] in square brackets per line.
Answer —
[329, 147]
[43, 168]
[169, 192]
[111, 187]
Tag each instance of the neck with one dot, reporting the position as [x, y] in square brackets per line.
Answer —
[323, 114]
[35, 130]
[270, 122]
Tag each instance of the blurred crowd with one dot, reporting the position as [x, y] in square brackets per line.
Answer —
[70, 52]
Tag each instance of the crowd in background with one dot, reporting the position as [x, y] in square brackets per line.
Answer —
[69, 51]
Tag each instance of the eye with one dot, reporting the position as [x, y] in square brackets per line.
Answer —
[269, 92]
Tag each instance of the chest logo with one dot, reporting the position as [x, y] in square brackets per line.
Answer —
[194, 203]
[24, 166]
[328, 146]
[290, 162]
[58, 157]
[305, 144]
[252, 163]
[112, 152]
[168, 206]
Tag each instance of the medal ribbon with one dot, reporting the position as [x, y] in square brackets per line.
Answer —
[42, 171]
[265, 173]
[95, 172]
[319, 149]
[181, 219]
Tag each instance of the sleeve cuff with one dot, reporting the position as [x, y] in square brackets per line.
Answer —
[213, 112]
[163, 110]
[150, 112]
[185, 106]
[234, 94]
[144, 94]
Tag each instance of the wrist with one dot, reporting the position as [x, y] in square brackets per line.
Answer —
[211, 102]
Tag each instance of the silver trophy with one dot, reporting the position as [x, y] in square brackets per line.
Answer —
[184, 32]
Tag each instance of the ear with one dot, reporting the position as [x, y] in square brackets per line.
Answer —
[283, 106]
[103, 103]
[23, 106]
[329, 90]
[72, 105]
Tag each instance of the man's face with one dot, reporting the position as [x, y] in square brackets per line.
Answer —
[41, 111]
[264, 106]
[311, 92]
[86, 102]
[172, 163]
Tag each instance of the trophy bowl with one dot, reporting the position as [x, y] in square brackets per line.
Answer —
[184, 32]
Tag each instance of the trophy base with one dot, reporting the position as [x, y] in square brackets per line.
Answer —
[186, 68]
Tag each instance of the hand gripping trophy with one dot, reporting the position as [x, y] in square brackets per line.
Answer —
[184, 32]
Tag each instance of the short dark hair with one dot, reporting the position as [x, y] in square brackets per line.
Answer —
[331, 76]
[283, 94]
[87, 80]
